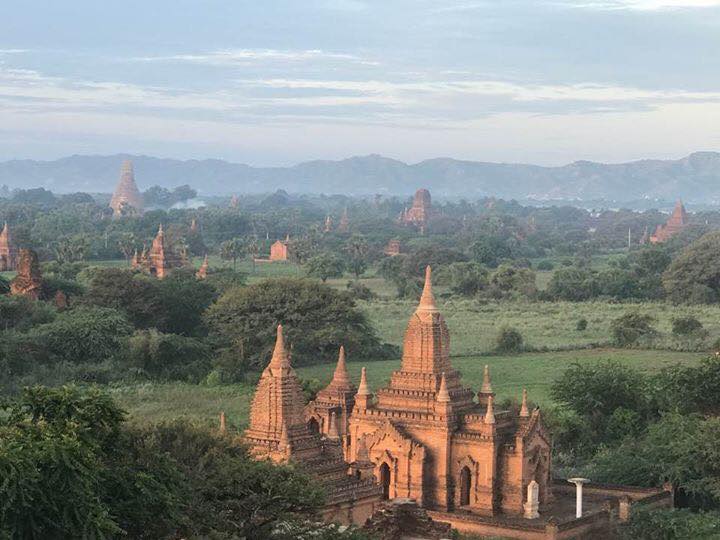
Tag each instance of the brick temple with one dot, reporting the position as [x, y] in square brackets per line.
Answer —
[160, 260]
[426, 437]
[28, 281]
[420, 212]
[127, 199]
[280, 250]
[677, 222]
[8, 250]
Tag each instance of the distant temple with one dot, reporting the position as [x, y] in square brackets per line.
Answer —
[160, 260]
[8, 251]
[676, 223]
[425, 437]
[393, 248]
[28, 281]
[280, 250]
[127, 199]
[202, 272]
[328, 224]
[420, 212]
[278, 431]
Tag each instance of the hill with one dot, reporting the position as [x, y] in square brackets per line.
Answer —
[695, 178]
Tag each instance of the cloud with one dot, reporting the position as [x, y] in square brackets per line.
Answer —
[643, 5]
[230, 57]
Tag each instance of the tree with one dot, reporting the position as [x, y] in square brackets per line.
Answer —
[167, 356]
[509, 281]
[465, 278]
[694, 275]
[84, 335]
[509, 340]
[71, 249]
[357, 249]
[630, 328]
[574, 284]
[490, 250]
[232, 250]
[316, 319]
[324, 266]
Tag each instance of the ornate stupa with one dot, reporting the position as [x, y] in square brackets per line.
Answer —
[127, 199]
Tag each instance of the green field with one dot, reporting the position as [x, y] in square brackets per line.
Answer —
[148, 403]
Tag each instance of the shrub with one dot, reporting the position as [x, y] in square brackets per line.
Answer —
[629, 329]
[581, 325]
[360, 291]
[686, 326]
[509, 340]
[545, 266]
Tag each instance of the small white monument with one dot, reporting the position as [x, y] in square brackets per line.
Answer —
[533, 501]
[578, 494]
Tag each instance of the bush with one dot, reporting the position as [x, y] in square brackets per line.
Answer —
[694, 275]
[509, 340]
[629, 329]
[674, 524]
[581, 325]
[686, 326]
[360, 291]
[545, 266]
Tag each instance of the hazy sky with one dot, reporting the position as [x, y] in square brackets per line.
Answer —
[276, 82]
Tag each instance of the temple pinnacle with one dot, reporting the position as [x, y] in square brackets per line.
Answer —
[486, 385]
[333, 427]
[443, 395]
[280, 357]
[427, 300]
[363, 389]
[490, 413]
[340, 377]
[524, 412]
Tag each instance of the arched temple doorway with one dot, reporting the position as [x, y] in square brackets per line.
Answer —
[314, 426]
[385, 481]
[465, 479]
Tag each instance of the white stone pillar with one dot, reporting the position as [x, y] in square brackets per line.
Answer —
[578, 494]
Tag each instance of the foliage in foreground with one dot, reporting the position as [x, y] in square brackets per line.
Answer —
[71, 469]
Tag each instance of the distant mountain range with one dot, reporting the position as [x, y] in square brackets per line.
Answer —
[695, 178]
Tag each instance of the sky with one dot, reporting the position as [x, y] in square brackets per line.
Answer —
[279, 82]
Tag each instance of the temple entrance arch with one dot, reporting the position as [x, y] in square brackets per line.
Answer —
[385, 481]
[313, 426]
[465, 481]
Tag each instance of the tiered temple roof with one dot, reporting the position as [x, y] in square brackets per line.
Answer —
[127, 199]
[676, 223]
[160, 260]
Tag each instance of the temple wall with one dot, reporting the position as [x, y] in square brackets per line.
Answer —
[353, 512]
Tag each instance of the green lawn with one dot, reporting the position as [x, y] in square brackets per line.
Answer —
[148, 403]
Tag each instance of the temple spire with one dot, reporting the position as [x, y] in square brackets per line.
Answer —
[490, 413]
[524, 412]
[443, 395]
[427, 300]
[486, 384]
[280, 358]
[340, 377]
[363, 389]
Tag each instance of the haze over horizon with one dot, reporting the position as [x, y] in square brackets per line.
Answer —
[546, 82]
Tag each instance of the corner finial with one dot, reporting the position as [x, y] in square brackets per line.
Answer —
[340, 377]
[363, 389]
[427, 300]
[486, 384]
[333, 427]
[490, 413]
[524, 411]
[443, 395]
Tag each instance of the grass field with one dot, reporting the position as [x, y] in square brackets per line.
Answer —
[149, 403]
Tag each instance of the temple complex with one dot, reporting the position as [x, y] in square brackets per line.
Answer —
[28, 281]
[160, 260]
[419, 214]
[127, 199]
[676, 223]
[427, 438]
[8, 251]
[280, 250]
[278, 431]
